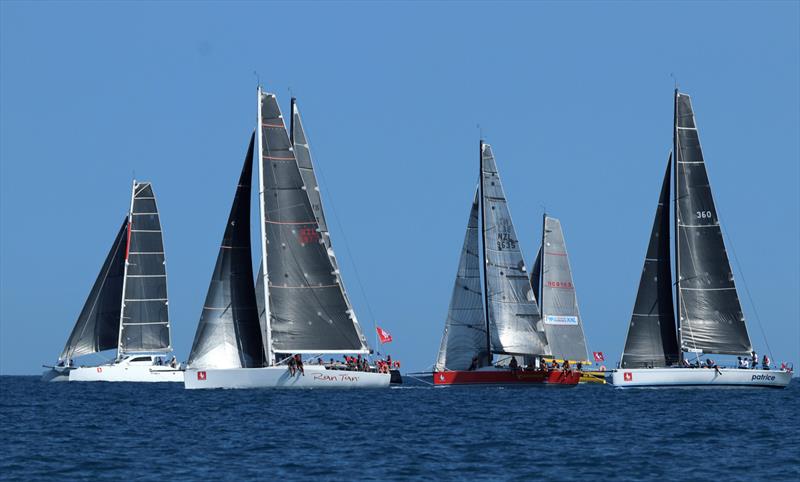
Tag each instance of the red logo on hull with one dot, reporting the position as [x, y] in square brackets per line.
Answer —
[627, 376]
[201, 375]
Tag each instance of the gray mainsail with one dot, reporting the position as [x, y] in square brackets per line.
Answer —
[97, 326]
[464, 335]
[228, 334]
[145, 313]
[512, 309]
[560, 315]
[709, 313]
[306, 306]
[651, 340]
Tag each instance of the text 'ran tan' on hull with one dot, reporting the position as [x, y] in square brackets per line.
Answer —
[255, 334]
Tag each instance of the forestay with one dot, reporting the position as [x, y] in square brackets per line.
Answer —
[464, 335]
[652, 340]
[145, 314]
[228, 334]
[710, 315]
[308, 309]
[562, 320]
[97, 326]
[513, 312]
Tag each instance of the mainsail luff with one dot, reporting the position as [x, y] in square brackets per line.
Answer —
[651, 340]
[465, 335]
[97, 326]
[513, 313]
[144, 323]
[228, 334]
[709, 312]
[306, 310]
[559, 303]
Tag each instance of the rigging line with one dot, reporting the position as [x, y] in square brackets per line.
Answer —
[744, 281]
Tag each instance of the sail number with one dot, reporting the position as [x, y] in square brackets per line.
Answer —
[703, 214]
[505, 241]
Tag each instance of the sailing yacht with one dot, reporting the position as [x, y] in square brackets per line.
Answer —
[554, 287]
[710, 318]
[249, 332]
[127, 308]
[501, 317]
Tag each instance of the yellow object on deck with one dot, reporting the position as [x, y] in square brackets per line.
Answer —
[593, 377]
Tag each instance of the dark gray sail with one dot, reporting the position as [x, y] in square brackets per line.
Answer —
[710, 315]
[560, 314]
[97, 326]
[145, 313]
[308, 310]
[464, 335]
[513, 312]
[652, 339]
[228, 334]
[536, 275]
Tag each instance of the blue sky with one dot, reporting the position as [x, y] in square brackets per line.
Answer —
[576, 99]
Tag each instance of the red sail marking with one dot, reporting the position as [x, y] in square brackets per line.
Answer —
[128, 243]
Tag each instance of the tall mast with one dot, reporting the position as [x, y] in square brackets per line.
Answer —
[483, 259]
[261, 189]
[125, 271]
[675, 161]
[291, 121]
[540, 275]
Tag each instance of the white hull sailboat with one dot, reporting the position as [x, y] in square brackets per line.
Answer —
[699, 377]
[709, 315]
[249, 332]
[127, 308]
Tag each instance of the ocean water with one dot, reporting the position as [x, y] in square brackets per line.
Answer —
[120, 432]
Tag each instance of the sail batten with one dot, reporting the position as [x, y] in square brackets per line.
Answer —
[464, 337]
[513, 313]
[298, 248]
[710, 314]
[228, 334]
[559, 303]
[652, 339]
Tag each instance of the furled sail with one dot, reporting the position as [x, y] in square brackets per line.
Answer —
[464, 335]
[145, 314]
[513, 312]
[710, 315]
[307, 306]
[228, 334]
[97, 326]
[560, 315]
[651, 340]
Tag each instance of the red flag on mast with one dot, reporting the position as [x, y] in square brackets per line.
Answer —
[384, 335]
[598, 356]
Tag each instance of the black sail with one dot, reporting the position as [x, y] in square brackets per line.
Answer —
[710, 315]
[652, 340]
[536, 276]
[228, 334]
[307, 306]
[145, 312]
[97, 326]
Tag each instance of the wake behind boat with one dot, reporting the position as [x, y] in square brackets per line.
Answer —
[127, 308]
[710, 318]
[502, 317]
[255, 335]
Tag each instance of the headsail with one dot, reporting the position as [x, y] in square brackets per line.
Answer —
[710, 315]
[464, 335]
[145, 313]
[652, 340]
[513, 312]
[97, 327]
[536, 276]
[560, 314]
[307, 306]
[228, 334]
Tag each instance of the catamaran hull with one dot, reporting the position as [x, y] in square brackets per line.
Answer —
[550, 378]
[699, 377]
[278, 377]
[114, 373]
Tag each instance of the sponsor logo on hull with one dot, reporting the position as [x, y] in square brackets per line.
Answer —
[768, 378]
[325, 377]
[627, 376]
